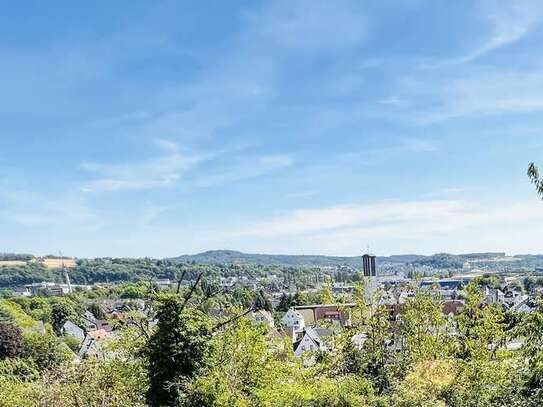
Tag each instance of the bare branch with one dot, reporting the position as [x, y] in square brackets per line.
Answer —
[191, 292]
[180, 280]
[150, 289]
[233, 319]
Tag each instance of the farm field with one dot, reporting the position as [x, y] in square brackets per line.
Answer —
[12, 263]
[57, 263]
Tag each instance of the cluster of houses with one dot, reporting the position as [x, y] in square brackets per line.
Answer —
[304, 338]
[48, 289]
[91, 331]
[302, 325]
[510, 296]
[310, 327]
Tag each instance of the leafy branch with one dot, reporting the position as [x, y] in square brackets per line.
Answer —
[535, 177]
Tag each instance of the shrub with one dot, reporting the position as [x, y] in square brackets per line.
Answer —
[11, 341]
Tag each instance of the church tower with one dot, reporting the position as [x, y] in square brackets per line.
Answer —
[368, 261]
[370, 276]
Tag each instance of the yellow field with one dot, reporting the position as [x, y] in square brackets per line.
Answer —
[10, 263]
[57, 263]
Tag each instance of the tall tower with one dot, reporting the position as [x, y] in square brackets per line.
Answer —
[66, 276]
[68, 283]
[368, 262]
[370, 276]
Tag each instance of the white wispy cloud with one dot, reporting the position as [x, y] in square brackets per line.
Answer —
[468, 227]
[395, 218]
[244, 83]
[509, 21]
[494, 93]
[309, 25]
[419, 145]
[303, 221]
[396, 227]
[173, 165]
[152, 212]
[246, 168]
[470, 92]
[28, 208]
[460, 88]
[162, 171]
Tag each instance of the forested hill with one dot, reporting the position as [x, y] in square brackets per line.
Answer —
[16, 269]
[232, 256]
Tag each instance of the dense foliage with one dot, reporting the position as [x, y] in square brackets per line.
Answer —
[194, 356]
[11, 341]
[176, 351]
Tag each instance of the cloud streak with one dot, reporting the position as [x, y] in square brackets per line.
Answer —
[473, 92]
[309, 26]
[173, 165]
[425, 227]
[414, 218]
[162, 171]
[246, 168]
[509, 22]
[20, 207]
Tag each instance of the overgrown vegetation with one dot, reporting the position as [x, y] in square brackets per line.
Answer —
[190, 358]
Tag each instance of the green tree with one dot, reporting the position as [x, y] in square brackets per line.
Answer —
[97, 311]
[111, 383]
[285, 302]
[11, 341]
[488, 280]
[38, 308]
[262, 302]
[484, 373]
[19, 369]
[377, 353]
[429, 384]
[249, 368]
[424, 329]
[481, 327]
[327, 296]
[132, 291]
[531, 330]
[177, 350]
[240, 366]
[61, 311]
[46, 350]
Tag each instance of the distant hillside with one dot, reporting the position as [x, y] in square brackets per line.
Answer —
[440, 260]
[232, 256]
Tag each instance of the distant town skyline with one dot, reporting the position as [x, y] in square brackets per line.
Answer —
[290, 127]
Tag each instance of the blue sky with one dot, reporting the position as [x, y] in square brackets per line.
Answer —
[157, 128]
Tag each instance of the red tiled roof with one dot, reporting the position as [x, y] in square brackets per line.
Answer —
[98, 334]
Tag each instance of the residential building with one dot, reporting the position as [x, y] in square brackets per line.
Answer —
[293, 319]
[340, 313]
[262, 317]
[89, 321]
[71, 329]
[163, 284]
[314, 339]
